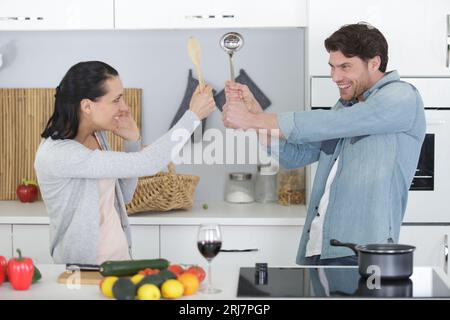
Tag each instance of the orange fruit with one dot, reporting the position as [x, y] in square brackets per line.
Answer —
[190, 283]
[198, 271]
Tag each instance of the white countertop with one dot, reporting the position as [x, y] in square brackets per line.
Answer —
[15, 212]
[49, 289]
[426, 280]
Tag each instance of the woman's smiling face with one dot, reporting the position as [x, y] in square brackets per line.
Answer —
[107, 108]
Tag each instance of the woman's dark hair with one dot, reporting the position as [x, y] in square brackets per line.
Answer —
[85, 80]
[360, 40]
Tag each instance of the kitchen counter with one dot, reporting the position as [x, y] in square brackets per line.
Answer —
[15, 212]
[427, 281]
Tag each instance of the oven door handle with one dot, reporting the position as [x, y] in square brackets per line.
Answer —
[446, 254]
[436, 122]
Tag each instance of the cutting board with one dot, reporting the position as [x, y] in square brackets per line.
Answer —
[81, 277]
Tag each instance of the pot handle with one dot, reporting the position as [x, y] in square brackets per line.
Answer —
[337, 243]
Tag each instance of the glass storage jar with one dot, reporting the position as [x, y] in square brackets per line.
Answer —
[291, 186]
[266, 184]
[240, 188]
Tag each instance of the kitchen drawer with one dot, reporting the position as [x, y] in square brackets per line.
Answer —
[5, 240]
[145, 242]
[34, 242]
[324, 92]
[277, 245]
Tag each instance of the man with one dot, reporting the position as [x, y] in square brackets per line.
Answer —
[367, 146]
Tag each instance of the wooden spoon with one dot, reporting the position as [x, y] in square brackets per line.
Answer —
[194, 54]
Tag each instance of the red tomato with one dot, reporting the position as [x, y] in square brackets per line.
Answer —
[148, 272]
[176, 269]
[198, 271]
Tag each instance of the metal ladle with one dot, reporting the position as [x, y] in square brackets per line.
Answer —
[231, 42]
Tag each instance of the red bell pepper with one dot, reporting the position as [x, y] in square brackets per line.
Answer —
[3, 266]
[20, 272]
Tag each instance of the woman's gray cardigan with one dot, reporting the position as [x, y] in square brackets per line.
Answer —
[68, 175]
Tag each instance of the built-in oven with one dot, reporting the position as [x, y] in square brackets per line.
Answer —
[424, 176]
[429, 196]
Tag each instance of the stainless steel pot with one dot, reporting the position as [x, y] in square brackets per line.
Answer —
[390, 261]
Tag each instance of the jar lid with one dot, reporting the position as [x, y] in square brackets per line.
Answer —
[240, 176]
[267, 169]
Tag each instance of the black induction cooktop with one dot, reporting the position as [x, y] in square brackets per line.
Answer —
[337, 282]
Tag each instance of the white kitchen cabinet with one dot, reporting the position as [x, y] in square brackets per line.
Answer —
[145, 242]
[33, 240]
[431, 244]
[5, 240]
[277, 245]
[56, 14]
[416, 31]
[179, 14]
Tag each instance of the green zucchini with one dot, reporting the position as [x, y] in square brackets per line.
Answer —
[166, 274]
[157, 279]
[130, 267]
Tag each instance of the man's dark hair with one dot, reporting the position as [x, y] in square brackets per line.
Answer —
[360, 40]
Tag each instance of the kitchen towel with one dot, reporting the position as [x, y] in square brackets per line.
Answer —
[244, 78]
[190, 88]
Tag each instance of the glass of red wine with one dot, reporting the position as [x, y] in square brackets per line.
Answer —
[209, 242]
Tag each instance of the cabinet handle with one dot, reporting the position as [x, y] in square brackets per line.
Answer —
[436, 122]
[21, 18]
[446, 253]
[239, 250]
[209, 16]
[448, 41]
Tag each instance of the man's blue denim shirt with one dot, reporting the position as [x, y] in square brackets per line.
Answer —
[378, 142]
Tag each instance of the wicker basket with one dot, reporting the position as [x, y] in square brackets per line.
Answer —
[163, 192]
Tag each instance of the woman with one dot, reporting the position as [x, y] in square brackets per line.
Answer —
[84, 185]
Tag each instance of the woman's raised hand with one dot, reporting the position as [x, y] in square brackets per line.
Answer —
[126, 127]
[202, 102]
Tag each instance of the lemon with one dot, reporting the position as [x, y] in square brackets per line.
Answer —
[148, 292]
[106, 286]
[137, 278]
[172, 289]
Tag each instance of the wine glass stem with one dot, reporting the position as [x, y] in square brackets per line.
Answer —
[209, 275]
